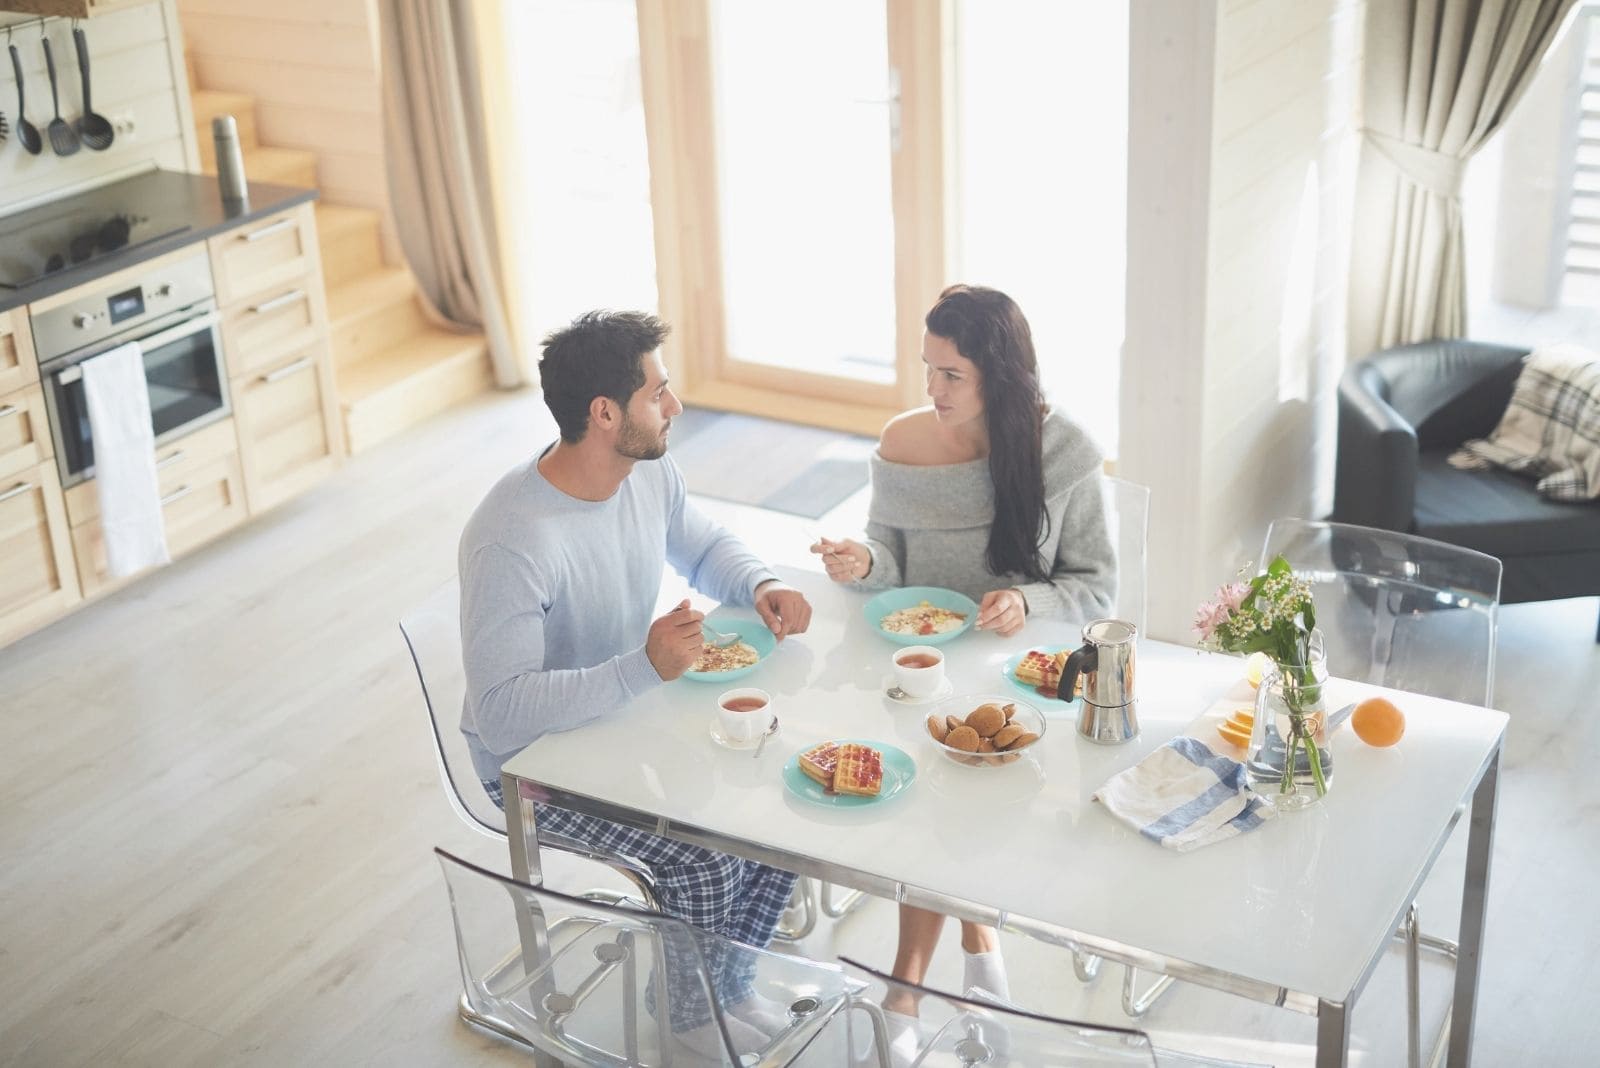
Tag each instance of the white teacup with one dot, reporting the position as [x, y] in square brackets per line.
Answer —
[919, 670]
[744, 714]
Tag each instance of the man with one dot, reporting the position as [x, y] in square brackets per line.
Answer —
[560, 568]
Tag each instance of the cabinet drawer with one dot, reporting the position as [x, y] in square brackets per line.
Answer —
[37, 580]
[17, 364]
[264, 327]
[288, 427]
[208, 501]
[24, 431]
[176, 461]
[264, 255]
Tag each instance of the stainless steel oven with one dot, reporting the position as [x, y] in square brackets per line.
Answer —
[173, 315]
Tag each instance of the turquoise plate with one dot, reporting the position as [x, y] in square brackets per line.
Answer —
[1009, 670]
[753, 633]
[911, 596]
[899, 772]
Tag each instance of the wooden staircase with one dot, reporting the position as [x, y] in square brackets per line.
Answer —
[393, 366]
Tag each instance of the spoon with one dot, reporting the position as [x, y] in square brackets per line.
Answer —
[62, 137]
[27, 132]
[716, 637]
[768, 733]
[95, 129]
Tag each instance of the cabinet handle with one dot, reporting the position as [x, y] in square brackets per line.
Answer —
[291, 297]
[10, 409]
[294, 368]
[19, 488]
[268, 230]
[176, 495]
[170, 460]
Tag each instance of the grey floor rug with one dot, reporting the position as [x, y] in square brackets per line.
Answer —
[800, 470]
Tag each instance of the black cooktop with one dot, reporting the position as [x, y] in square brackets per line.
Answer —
[45, 240]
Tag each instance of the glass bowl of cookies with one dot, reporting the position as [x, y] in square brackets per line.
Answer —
[985, 730]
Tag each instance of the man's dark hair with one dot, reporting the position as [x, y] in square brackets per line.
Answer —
[599, 355]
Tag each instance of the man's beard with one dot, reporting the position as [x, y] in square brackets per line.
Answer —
[636, 444]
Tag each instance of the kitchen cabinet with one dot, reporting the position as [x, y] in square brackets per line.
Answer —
[265, 254]
[17, 364]
[76, 9]
[24, 431]
[38, 578]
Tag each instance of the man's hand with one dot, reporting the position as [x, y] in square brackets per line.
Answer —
[845, 560]
[784, 608]
[675, 642]
[1002, 611]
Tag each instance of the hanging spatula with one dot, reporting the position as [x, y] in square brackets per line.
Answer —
[62, 137]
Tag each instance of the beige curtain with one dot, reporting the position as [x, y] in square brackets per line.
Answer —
[435, 141]
[1442, 76]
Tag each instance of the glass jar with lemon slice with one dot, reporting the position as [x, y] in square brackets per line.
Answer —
[1289, 763]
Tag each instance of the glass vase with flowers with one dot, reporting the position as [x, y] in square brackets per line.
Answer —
[1288, 762]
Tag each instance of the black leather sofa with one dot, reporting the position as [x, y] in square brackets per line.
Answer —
[1402, 411]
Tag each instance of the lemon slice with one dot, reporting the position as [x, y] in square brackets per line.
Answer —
[1255, 668]
[1233, 734]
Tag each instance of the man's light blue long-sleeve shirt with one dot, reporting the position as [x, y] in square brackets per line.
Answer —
[558, 594]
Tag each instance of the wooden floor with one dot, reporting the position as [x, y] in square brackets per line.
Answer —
[217, 802]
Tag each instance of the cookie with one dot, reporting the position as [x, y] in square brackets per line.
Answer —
[1008, 734]
[1009, 710]
[938, 728]
[963, 738]
[985, 745]
[951, 723]
[986, 720]
[1022, 741]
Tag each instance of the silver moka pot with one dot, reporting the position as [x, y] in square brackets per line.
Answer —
[1109, 714]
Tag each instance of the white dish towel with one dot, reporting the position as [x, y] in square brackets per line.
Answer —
[1184, 796]
[125, 460]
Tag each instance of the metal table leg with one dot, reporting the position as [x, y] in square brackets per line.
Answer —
[1474, 901]
[522, 834]
[1333, 1034]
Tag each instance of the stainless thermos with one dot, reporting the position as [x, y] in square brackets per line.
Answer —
[230, 164]
[1109, 714]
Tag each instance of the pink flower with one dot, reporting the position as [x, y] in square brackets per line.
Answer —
[1209, 616]
[1233, 595]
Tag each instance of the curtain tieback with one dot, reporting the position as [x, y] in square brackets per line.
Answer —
[1437, 172]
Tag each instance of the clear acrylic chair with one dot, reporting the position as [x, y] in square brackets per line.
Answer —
[588, 983]
[1407, 613]
[432, 632]
[1127, 508]
[962, 1032]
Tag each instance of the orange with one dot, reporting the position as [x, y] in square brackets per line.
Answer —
[1378, 722]
[1232, 733]
[1243, 718]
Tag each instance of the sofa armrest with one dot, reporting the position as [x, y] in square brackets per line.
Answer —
[1375, 475]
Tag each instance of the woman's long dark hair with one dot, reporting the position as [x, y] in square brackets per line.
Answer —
[988, 328]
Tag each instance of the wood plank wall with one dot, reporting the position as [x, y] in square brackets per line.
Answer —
[136, 75]
[1285, 121]
[312, 66]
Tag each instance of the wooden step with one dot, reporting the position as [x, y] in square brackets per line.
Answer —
[208, 104]
[392, 390]
[194, 78]
[373, 312]
[350, 242]
[280, 166]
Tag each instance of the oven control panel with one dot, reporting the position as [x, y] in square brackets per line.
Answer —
[96, 314]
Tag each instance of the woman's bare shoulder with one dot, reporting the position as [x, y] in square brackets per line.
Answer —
[908, 437]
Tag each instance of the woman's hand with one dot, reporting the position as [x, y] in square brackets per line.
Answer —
[1002, 611]
[845, 560]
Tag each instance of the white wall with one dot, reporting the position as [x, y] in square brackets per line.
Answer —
[137, 82]
[1241, 175]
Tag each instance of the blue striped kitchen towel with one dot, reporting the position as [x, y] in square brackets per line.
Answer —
[1184, 796]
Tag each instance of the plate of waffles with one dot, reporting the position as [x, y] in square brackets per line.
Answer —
[1036, 672]
[849, 773]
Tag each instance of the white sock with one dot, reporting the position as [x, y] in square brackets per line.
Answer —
[986, 970]
[764, 1014]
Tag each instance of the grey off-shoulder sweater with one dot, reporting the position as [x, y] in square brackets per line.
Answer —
[929, 526]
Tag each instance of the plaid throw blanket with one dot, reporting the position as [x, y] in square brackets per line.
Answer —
[1551, 430]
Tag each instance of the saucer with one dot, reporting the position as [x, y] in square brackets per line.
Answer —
[728, 743]
[945, 689]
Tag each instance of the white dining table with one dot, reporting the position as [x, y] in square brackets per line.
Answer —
[1313, 897]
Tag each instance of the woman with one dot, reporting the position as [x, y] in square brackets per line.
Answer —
[990, 492]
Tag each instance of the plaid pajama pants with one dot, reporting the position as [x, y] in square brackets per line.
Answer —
[740, 900]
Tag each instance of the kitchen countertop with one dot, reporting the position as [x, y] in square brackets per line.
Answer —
[171, 199]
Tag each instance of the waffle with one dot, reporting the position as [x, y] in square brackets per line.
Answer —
[1039, 669]
[819, 762]
[859, 771]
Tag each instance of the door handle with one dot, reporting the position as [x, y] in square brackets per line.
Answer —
[176, 495]
[19, 488]
[10, 409]
[268, 230]
[294, 368]
[170, 460]
[291, 297]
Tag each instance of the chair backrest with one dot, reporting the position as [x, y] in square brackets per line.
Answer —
[1397, 610]
[962, 1032]
[611, 985]
[1127, 506]
[433, 633]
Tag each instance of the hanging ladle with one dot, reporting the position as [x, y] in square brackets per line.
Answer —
[27, 132]
[95, 129]
[62, 137]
